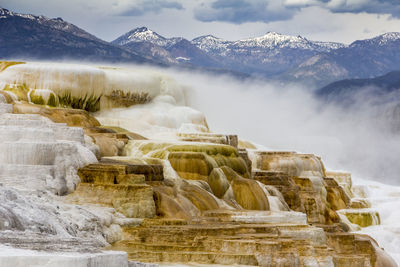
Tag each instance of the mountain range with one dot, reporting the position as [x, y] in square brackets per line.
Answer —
[37, 37]
[273, 55]
[266, 55]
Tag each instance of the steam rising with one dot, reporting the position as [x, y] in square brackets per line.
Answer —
[359, 139]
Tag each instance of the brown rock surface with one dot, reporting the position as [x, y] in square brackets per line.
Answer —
[231, 140]
[187, 223]
[286, 185]
[318, 197]
[72, 117]
[204, 201]
[118, 186]
[223, 240]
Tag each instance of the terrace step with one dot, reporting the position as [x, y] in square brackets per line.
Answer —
[196, 257]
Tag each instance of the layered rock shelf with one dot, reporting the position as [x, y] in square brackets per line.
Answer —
[40, 156]
[195, 202]
[121, 186]
[223, 240]
[75, 192]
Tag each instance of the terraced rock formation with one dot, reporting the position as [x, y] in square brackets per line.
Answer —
[201, 202]
[39, 161]
[232, 231]
[72, 185]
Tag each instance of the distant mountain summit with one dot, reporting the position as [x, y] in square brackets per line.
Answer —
[278, 56]
[143, 34]
[273, 40]
[361, 59]
[269, 54]
[270, 40]
[24, 36]
[381, 40]
[273, 55]
[55, 23]
[173, 50]
[210, 44]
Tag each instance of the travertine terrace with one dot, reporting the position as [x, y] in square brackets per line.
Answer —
[190, 197]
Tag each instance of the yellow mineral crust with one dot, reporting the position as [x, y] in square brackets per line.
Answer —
[214, 215]
[358, 210]
[201, 200]
[294, 164]
[319, 196]
[5, 64]
[116, 87]
[72, 117]
[362, 217]
[222, 171]
[117, 185]
[248, 193]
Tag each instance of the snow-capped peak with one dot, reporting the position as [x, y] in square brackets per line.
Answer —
[210, 43]
[143, 34]
[379, 40]
[270, 40]
[277, 37]
[329, 45]
[140, 35]
[206, 37]
[387, 37]
[273, 39]
[6, 13]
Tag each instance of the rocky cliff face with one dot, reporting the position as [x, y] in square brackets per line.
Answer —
[178, 195]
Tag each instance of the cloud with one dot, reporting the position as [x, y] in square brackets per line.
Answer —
[391, 7]
[142, 7]
[241, 11]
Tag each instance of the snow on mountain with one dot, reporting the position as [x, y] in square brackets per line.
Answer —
[143, 34]
[361, 59]
[55, 23]
[210, 43]
[330, 45]
[270, 40]
[381, 40]
[273, 39]
[271, 53]
[38, 37]
[388, 37]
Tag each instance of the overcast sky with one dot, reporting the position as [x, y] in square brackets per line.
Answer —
[325, 20]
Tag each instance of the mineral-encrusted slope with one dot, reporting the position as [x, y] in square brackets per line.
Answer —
[190, 197]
